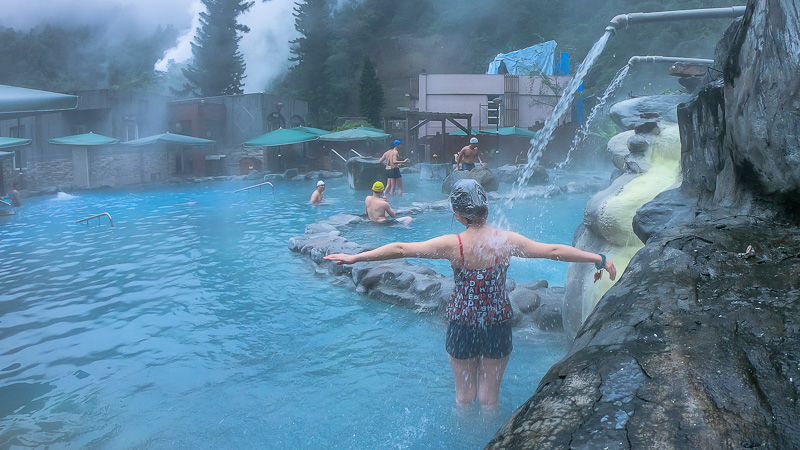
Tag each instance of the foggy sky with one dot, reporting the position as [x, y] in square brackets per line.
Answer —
[265, 48]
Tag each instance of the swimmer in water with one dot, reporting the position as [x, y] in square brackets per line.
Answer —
[378, 207]
[478, 339]
[317, 196]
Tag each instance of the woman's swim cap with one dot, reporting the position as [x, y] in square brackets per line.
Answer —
[378, 187]
[397, 142]
[468, 199]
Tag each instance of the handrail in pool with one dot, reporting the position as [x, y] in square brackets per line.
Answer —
[96, 216]
[5, 202]
[257, 186]
[359, 154]
[340, 156]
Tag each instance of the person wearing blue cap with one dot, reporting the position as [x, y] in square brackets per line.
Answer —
[393, 165]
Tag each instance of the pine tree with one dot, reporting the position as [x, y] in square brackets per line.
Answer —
[218, 67]
[309, 77]
[371, 94]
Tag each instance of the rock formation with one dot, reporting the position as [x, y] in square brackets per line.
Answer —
[696, 345]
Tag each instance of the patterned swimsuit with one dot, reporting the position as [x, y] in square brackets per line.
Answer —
[480, 297]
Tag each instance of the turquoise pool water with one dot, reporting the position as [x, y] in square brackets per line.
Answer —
[189, 324]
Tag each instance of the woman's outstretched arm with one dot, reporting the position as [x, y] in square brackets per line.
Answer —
[436, 248]
[526, 248]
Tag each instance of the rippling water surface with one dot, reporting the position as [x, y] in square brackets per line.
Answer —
[189, 324]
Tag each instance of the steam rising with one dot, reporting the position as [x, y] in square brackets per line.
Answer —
[265, 47]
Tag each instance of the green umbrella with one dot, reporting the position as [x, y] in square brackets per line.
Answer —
[311, 130]
[6, 142]
[516, 131]
[376, 130]
[172, 139]
[281, 136]
[475, 132]
[84, 140]
[21, 100]
[353, 134]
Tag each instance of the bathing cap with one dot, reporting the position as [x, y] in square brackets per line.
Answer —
[473, 141]
[468, 199]
[397, 142]
[378, 187]
[320, 183]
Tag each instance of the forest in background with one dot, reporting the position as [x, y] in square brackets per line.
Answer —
[401, 38]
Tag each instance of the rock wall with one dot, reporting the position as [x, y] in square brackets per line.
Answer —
[697, 345]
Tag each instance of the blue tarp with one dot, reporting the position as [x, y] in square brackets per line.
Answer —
[535, 60]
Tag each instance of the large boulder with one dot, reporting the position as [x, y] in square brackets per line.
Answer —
[363, 172]
[480, 174]
[629, 114]
[434, 171]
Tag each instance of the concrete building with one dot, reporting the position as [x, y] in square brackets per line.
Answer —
[491, 102]
[228, 120]
[122, 115]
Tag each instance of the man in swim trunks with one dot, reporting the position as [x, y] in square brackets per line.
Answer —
[393, 165]
[317, 196]
[467, 156]
[377, 207]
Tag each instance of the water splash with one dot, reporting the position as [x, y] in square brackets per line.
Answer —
[580, 136]
[544, 136]
[64, 196]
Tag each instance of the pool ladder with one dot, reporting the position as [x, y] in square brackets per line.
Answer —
[257, 186]
[96, 216]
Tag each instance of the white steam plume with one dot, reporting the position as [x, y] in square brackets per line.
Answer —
[265, 48]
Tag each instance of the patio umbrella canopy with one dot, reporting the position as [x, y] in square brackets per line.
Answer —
[376, 130]
[6, 142]
[84, 140]
[172, 139]
[311, 130]
[516, 131]
[353, 135]
[282, 136]
[475, 132]
[22, 100]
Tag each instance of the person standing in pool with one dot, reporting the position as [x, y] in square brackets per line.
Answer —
[393, 165]
[468, 155]
[479, 313]
[317, 196]
[377, 207]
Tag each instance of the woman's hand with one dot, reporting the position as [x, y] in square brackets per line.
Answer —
[342, 258]
[612, 271]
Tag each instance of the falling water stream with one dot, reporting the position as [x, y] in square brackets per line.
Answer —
[544, 136]
[584, 131]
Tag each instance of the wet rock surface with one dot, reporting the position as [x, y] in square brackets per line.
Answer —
[416, 287]
[697, 345]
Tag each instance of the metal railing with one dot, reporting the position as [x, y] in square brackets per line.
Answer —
[96, 216]
[358, 154]
[340, 156]
[257, 186]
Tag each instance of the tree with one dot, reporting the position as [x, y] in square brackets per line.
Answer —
[371, 94]
[309, 78]
[218, 66]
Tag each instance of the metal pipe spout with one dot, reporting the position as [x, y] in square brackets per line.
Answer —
[625, 20]
[668, 59]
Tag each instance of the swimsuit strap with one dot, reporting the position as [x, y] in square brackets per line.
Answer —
[461, 248]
